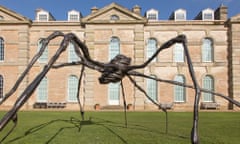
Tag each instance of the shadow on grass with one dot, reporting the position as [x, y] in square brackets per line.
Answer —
[76, 123]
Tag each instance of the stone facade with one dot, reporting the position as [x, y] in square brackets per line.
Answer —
[21, 37]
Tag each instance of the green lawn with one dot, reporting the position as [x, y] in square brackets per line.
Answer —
[108, 128]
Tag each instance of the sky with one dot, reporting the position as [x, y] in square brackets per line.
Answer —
[59, 8]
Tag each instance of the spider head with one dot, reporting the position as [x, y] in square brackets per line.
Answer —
[115, 70]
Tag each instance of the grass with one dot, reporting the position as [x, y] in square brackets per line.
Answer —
[44, 127]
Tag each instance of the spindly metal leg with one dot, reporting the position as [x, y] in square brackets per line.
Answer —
[124, 103]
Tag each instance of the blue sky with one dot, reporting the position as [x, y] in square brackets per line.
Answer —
[59, 8]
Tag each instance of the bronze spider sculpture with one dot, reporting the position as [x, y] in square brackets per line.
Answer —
[112, 72]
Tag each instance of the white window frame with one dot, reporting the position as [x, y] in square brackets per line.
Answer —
[44, 57]
[179, 91]
[72, 56]
[72, 88]
[152, 88]
[207, 50]
[42, 90]
[181, 12]
[42, 13]
[114, 47]
[2, 49]
[178, 52]
[113, 93]
[208, 83]
[152, 15]
[151, 48]
[73, 16]
[207, 12]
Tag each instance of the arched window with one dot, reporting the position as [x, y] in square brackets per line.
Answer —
[151, 48]
[1, 86]
[44, 56]
[114, 47]
[207, 50]
[1, 49]
[72, 88]
[42, 91]
[208, 83]
[179, 91]
[152, 89]
[72, 56]
[178, 52]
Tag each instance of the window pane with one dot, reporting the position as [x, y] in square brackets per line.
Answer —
[208, 16]
[1, 49]
[72, 88]
[179, 91]
[178, 52]
[114, 93]
[207, 50]
[152, 88]
[1, 86]
[152, 16]
[114, 48]
[180, 16]
[44, 56]
[74, 17]
[42, 17]
[42, 91]
[151, 48]
[208, 83]
[72, 56]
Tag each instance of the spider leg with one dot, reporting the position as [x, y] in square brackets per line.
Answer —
[135, 73]
[124, 103]
[181, 39]
[30, 65]
[78, 92]
[10, 115]
[164, 109]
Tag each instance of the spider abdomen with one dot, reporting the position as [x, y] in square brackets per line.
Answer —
[115, 70]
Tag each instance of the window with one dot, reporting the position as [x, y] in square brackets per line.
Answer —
[151, 48]
[208, 83]
[178, 52]
[208, 14]
[114, 47]
[207, 50]
[1, 86]
[114, 17]
[179, 91]
[72, 88]
[42, 91]
[152, 14]
[152, 88]
[43, 17]
[73, 15]
[1, 49]
[114, 93]
[180, 14]
[44, 57]
[1, 18]
[72, 56]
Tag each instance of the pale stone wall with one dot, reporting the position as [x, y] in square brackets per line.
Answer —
[133, 31]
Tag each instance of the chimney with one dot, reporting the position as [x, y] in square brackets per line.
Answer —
[94, 9]
[221, 13]
[137, 9]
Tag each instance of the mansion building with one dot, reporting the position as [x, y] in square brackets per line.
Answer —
[213, 43]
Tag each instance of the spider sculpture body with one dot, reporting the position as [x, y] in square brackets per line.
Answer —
[112, 72]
